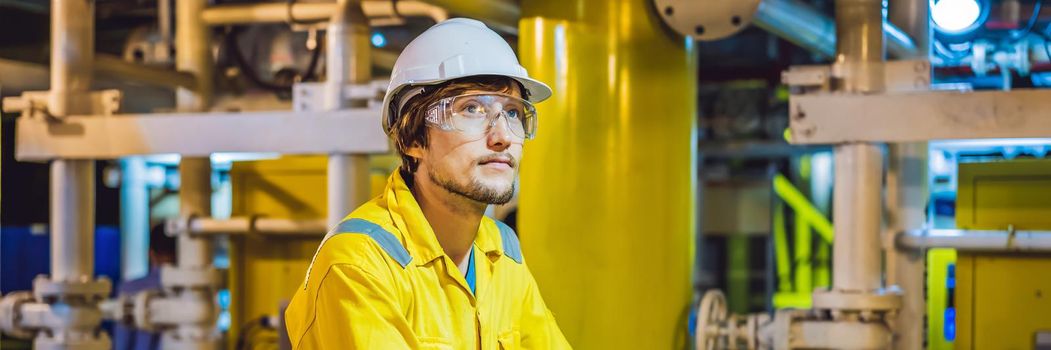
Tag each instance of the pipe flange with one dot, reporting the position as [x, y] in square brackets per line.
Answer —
[140, 310]
[177, 226]
[175, 277]
[11, 314]
[99, 341]
[707, 19]
[879, 301]
[89, 289]
[120, 309]
[173, 340]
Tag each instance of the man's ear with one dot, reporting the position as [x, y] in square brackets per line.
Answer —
[414, 151]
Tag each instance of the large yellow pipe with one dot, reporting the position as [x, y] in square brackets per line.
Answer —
[608, 186]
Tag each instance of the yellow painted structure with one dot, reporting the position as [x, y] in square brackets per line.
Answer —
[939, 261]
[994, 195]
[265, 270]
[1003, 300]
[608, 187]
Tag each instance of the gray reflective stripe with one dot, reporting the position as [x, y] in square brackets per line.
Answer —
[386, 240]
[512, 248]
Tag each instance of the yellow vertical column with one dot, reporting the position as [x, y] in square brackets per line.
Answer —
[608, 187]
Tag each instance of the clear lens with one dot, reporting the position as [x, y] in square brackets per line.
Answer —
[474, 114]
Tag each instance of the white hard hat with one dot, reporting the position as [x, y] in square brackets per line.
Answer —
[452, 49]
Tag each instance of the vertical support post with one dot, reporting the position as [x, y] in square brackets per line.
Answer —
[907, 199]
[164, 26]
[195, 199]
[72, 220]
[193, 54]
[907, 194]
[72, 181]
[348, 62]
[856, 208]
[858, 68]
[72, 191]
[134, 219]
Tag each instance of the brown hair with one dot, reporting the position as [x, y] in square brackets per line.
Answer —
[410, 130]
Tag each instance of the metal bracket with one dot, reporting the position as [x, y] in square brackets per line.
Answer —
[900, 76]
[34, 103]
[311, 97]
[177, 226]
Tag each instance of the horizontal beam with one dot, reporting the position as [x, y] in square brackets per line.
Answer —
[827, 118]
[117, 67]
[977, 240]
[354, 131]
[257, 225]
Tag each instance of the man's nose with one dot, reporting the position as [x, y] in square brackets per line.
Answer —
[499, 134]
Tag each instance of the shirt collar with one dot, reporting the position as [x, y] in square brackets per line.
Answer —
[417, 233]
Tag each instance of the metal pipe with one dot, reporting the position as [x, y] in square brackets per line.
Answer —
[267, 12]
[348, 60]
[134, 219]
[858, 65]
[858, 68]
[907, 193]
[195, 189]
[913, 17]
[348, 185]
[798, 23]
[72, 49]
[194, 254]
[193, 55]
[856, 202]
[70, 322]
[313, 12]
[72, 220]
[501, 15]
[195, 199]
[72, 181]
[113, 65]
[805, 26]
[245, 225]
[976, 240]
[164, 24]
[907, 201]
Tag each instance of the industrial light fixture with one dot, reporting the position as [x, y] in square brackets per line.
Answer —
[378, 40]
[956, 16]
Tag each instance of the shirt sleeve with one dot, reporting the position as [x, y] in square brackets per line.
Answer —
[355, 310]
[539, 329]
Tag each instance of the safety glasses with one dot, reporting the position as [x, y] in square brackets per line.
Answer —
[474, 114]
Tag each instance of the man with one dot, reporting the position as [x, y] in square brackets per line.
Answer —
[420, 266]
[161, 252]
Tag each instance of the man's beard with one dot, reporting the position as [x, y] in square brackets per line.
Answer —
[476, 190]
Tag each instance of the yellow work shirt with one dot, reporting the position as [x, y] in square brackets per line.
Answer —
[380, 280]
